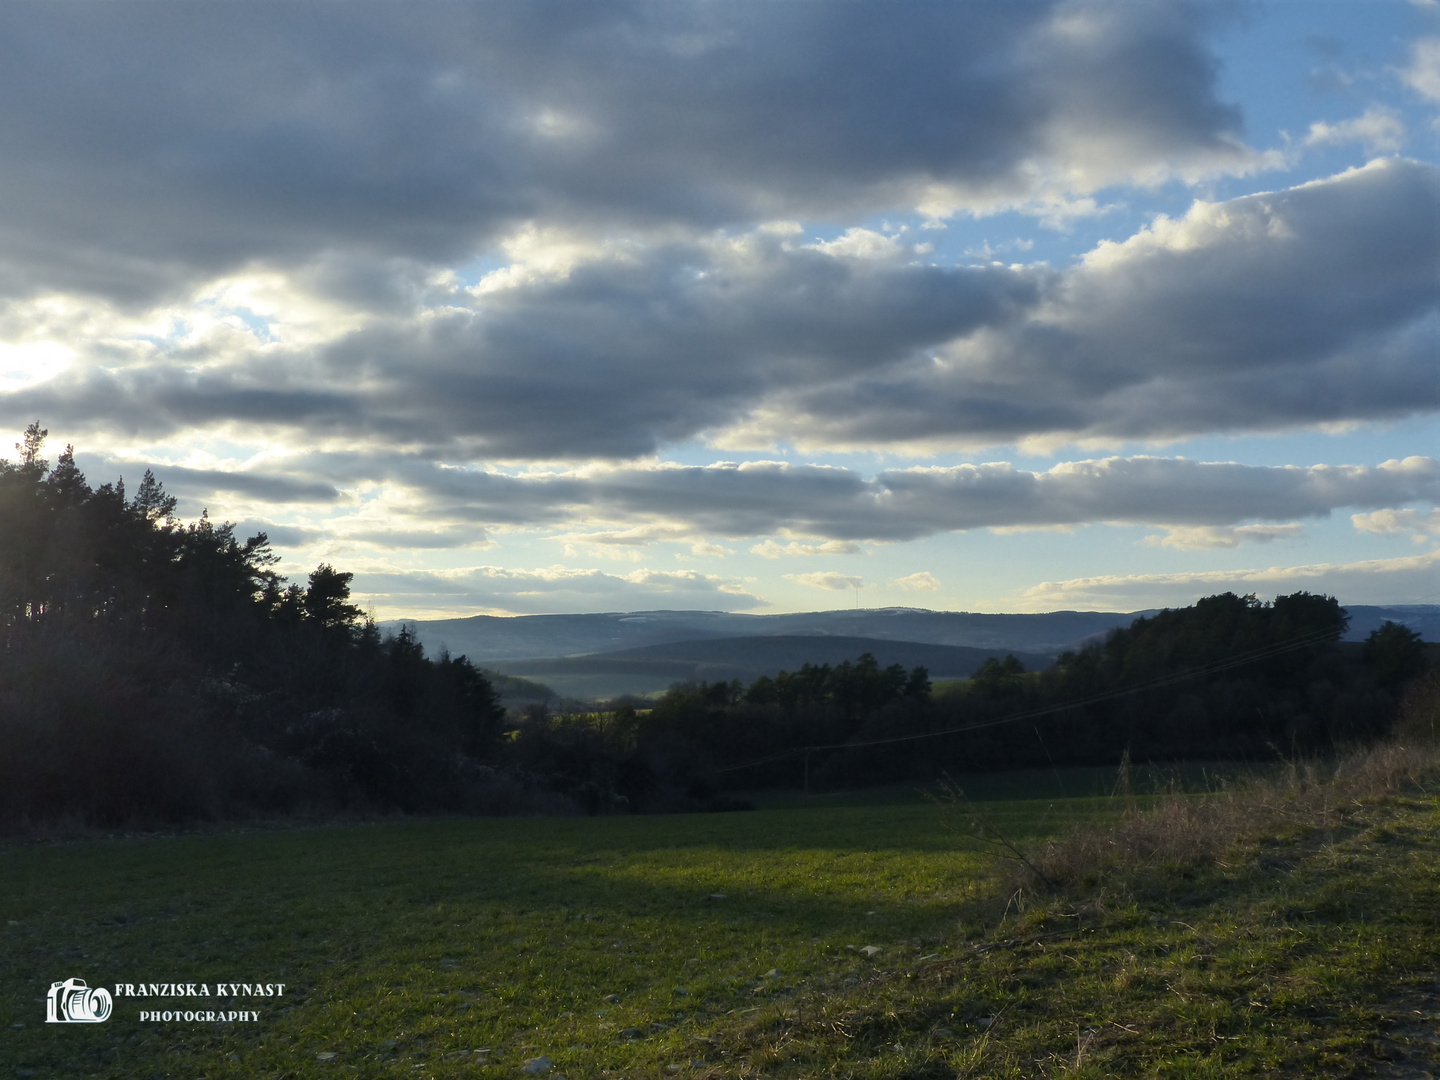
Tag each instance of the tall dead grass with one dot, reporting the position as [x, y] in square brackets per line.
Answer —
[1183, 831]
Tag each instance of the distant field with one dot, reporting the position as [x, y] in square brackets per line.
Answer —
[411, 946]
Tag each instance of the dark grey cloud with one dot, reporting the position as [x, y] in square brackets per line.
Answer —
[182, 481]
[171, 392]
[280, 536]
[615, 359]
[147, 146]
[619, 358]
[195, 485]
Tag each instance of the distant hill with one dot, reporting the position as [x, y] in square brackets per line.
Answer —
[517, 691]
[653, 668]
[1424, 619]
[625, 652]
[489, 638]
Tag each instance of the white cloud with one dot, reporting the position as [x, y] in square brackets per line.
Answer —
[30, 363]
[770, 549]
[1421, 524]
[1375, 581]
[923, 581]
[707, 549]
[1423, 73]
[633, 536]
[545, 590]
[827, 579]
[1379, 131]
[1222, 536]
[858, 243]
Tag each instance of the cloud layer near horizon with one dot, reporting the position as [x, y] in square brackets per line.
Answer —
[1381, 581]
[633, 506]
[554, 590]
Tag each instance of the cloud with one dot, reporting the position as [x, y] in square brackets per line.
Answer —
[632, 506]
[839, 505]
[148, 150]
[827, 579]
[923, 581]
[796, 510]
[280, 536]
[1421, 524]
[1374, 581]
[433, 277]
[194, 483]
[1379, 131]
[630, 537]
[1222, 536]
[442, 539]
[613, 358]
[772, 550]
[1423, 73]
[1306, 306]
[546, 590]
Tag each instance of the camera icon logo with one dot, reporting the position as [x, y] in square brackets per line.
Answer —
[72, 1002]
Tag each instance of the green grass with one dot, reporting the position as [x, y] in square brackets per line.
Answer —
[406, 947]
[403, 943]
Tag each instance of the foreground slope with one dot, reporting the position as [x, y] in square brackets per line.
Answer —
[860, 941]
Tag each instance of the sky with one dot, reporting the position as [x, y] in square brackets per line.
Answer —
[519, 308]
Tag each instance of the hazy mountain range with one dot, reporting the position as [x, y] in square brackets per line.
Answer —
[643, 652]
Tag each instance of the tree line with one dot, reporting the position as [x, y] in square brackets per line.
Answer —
[157, 671]
[1228, 678]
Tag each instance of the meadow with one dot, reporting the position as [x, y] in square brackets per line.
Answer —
[855, 937]
[470, 946]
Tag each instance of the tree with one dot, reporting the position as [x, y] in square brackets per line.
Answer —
[29, 448]
[1395, 652]
[151, 500]
[998, 676]
[327, 600]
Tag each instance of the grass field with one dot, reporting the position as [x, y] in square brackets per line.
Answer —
[720, 945]
[415, 942]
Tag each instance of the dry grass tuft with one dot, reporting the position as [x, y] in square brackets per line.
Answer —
[1184, 831]
[1419, 719]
